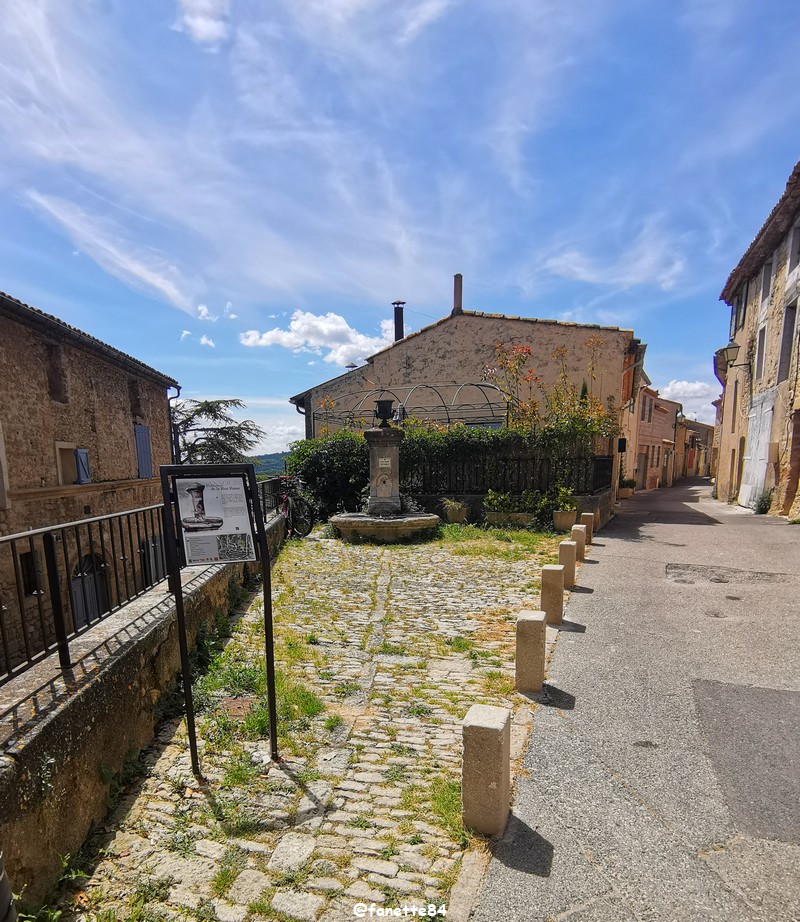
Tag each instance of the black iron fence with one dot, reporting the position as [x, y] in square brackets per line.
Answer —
[270, 495]
[56, 582]
[515, 475]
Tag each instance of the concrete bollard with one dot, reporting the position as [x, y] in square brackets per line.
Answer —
[531, 636]
[567, 557]
[486, 769]
[578, 535]
[553, 592]
[587, 519]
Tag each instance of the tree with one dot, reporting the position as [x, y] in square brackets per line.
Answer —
[206, 433]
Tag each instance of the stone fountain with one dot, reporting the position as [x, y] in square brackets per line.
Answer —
[383, 522]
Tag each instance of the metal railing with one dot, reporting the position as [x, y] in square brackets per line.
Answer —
[514, 474]
[270, 495]
[56, 582]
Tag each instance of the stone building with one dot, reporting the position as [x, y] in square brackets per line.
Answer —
[83, 430]
[438, 372]
[759, 431]
[650, 457]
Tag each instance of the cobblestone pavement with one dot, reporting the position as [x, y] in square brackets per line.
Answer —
[395, 643]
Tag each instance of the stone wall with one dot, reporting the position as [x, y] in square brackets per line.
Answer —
[57, 766]
[457, 349]
[62, 395]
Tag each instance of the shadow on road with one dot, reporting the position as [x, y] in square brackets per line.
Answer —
[523, 849]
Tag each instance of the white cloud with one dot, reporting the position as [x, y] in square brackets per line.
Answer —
[204, 20]
[696, 397]
[229, 311]
[185, 334]
[204, 313]
[205, 341]
[320, 332]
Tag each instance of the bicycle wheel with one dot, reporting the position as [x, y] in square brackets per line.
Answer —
[301, 518]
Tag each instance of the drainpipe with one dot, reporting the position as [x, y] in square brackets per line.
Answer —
[175, 442]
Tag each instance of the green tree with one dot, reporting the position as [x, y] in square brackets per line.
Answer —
[208, 434]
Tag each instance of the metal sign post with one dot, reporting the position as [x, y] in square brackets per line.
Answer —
[218, 515]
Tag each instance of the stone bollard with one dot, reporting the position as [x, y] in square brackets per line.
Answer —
[579, 537]
[587, 519]
[567, 557]
[553, 592]
[486, 769]
[531, 635]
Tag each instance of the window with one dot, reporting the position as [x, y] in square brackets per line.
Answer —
[29, 572]
[144, 456]
[72, 464]
[787, 340]
[794, 249]
[734, 404]
[644, 407]
[743, 306]
[734, 317]
[650, 411]
[766, 280]
[762, 337]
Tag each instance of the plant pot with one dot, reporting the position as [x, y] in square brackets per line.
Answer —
[625, 492]
[564, 519]
[456, 515]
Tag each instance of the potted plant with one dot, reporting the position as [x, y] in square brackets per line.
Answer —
[626, 488]
[565, 509]
[455, 511]
[498, 507]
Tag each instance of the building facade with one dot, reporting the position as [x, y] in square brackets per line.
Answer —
[759, 429]
[439, 372]
[83, 430]
[650, 456]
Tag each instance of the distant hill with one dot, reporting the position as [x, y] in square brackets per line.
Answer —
[270, 464]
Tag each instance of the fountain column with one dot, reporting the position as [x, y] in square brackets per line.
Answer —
[384, 469]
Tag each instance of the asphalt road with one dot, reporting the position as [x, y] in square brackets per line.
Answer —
[662, 780]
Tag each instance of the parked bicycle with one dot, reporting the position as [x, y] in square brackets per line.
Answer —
[297, 511]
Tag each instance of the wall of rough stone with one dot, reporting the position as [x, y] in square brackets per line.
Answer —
[456, 350]
[56, 391]
[742, 385]
[55, 775]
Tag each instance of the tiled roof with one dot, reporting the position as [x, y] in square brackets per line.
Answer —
[32, 316]
[773, 230]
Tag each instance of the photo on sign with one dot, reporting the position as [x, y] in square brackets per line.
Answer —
[215, 520]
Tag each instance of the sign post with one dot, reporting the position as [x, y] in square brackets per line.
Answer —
[212, 514]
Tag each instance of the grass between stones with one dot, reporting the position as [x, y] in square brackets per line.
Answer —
[380, 652]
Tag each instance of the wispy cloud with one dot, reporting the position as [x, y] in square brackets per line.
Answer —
[205, 341]
[203, 313]
[649, 258]
[122, 259]
[185, 334]
[327, 333]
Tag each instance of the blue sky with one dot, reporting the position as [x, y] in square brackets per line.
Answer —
[235, 191]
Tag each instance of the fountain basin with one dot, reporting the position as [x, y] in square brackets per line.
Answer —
[383, 529]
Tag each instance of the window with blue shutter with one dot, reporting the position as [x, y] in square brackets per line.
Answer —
[82, 465]
[144, 456]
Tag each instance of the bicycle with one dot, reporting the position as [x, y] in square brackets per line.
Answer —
[297, 511]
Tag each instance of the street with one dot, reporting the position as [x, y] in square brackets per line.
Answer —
[661, 780]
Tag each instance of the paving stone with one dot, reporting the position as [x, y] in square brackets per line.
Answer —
[209, 849]
[293, 850]
[393, 883]
[385, 868]
[226, 913]
[325, 883]
[360, 891]
[248, 887]
[303, 906]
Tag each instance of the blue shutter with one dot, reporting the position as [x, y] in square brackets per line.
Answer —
[82, 465]
[144, 457]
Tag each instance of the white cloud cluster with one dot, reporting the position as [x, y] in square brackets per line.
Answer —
[696, 397]
[322, 333]
[205, 341]
[206, 21]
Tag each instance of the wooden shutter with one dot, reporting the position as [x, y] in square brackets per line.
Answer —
[82, 465]
[144, 456]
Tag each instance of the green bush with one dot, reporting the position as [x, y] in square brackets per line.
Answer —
[762, 502]
[334, 468]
